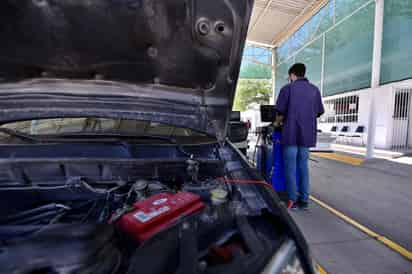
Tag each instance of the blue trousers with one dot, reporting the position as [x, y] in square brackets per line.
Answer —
[295, 160]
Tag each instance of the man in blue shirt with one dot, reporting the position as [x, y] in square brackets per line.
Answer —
[299, 105]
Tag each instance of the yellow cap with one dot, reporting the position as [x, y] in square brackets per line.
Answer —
[218, 195]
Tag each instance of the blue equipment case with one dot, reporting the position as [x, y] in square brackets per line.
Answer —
[276, 163]
[270, 163]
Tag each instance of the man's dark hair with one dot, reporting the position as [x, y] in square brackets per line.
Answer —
[298, 69]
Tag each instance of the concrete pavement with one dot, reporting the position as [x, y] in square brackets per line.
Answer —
[377, 194]
[342, 249]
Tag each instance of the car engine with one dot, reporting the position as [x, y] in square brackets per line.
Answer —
[181, 217]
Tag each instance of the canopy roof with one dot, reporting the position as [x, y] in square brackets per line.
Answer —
[273, 21]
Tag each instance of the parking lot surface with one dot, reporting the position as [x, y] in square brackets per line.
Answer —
[375, 194]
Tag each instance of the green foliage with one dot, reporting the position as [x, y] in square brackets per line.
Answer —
[255, 71]
[251, 91]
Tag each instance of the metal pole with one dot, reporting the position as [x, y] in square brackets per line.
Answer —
[376, 72]
[322, 73]
[274, 65]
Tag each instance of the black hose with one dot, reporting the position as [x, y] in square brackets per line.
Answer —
[37, 219]
[27, 214]
[12, 231]
[84, 219]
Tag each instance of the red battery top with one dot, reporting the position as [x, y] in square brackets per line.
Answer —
[157, 213]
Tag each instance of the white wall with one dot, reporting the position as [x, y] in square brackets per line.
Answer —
[385, 100]
[253, 115]
[362, 115]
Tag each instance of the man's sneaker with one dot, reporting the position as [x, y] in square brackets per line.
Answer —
[303, 205]
[292, 205]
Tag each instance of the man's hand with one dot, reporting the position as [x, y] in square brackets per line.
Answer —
[279, 120]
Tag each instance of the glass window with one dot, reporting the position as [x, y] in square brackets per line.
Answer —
[348, 53]
[259, 54]
[256, 63]
[282, 74]
[325, 16]
[397, 41]
[286, 49]
[306, 33]
[345, 7]
[250, 70]
[318, 24]
[311, 56]
[58, 126]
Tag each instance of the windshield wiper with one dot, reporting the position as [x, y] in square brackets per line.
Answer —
[19, 135]
[80, 135]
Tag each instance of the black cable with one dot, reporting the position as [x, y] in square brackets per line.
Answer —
[34, 213]
[84, 219]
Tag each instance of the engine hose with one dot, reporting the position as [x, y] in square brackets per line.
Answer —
[93, 207]
[37, 218]
[97, 191]
[9, 232]
[34, 212]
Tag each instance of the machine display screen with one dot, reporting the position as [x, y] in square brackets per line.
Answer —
[267, 113]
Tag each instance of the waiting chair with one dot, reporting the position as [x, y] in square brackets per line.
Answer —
[334, 131]
[359, 133]
[343, 133]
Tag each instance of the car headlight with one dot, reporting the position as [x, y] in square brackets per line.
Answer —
[285, 261]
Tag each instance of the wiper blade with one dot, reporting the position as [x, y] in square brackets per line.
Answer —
[77, 137]
[45, 138]
[18, 134]
[83, 136]
[109, 135]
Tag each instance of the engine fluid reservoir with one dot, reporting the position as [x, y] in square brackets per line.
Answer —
[158, 212]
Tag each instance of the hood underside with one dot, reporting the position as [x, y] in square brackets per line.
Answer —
[188, 49]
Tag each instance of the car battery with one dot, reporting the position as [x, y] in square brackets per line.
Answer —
[158, 212]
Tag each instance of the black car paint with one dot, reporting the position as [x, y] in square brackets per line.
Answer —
[190, 48]
[169, 61]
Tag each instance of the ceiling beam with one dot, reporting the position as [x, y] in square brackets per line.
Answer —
[281, 8]
[259, 44]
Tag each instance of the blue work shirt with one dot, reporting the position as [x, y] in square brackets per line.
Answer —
[301, 104]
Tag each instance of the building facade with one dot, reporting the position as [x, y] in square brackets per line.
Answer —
[337, 45]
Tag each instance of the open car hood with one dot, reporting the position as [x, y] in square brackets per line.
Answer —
[150, 58]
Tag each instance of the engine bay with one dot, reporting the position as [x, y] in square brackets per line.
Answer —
[132, 217]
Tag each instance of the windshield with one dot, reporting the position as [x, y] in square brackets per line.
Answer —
[62, 126]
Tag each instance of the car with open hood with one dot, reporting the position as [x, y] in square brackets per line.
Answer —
[113, 149]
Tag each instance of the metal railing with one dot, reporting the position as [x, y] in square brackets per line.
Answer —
[402, 119]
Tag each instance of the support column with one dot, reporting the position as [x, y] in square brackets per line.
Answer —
[376, 73]
[274, 64]
[322, 73]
